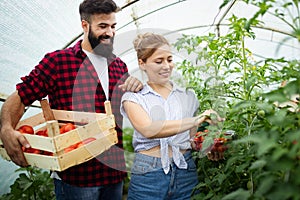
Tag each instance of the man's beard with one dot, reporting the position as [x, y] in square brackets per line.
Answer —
[99, 48]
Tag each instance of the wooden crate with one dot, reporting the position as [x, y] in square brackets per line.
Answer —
[98, 125]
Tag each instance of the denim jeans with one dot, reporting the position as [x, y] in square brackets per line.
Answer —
[148, 180]
[64, 191]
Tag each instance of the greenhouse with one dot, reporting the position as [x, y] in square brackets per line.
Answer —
[241, 58]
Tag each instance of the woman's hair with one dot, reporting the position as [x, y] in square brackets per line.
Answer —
[90, 7]
[146, 44]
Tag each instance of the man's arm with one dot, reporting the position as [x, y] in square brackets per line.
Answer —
[11, 113]
[131, 84]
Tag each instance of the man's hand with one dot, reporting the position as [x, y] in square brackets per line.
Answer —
[11, 112]
[131, 84]
[13, 142]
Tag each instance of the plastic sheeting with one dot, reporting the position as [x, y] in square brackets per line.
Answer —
[29, 29]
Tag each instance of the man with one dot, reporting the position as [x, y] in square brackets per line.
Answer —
[78, 78]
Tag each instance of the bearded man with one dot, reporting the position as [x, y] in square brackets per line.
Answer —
[79, 78]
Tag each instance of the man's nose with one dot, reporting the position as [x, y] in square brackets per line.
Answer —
[110, 32]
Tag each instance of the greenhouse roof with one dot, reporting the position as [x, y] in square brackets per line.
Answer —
[29, 29]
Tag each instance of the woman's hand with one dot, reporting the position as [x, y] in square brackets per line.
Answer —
[215, 155]
[210, 116]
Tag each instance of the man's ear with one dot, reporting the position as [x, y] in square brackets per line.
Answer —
[85, 25]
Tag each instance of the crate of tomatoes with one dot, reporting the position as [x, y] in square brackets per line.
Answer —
[60, 139]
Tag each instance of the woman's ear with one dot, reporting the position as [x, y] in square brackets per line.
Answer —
[142, 64]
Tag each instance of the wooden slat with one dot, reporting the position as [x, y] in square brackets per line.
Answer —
[42, 161]
[74, 116]
[98, 125]
[107, 108]
[75, 157]
[41, 142]
[48, 114]
[34, 120]
[4, 154]
[87, 152]
[89, 130]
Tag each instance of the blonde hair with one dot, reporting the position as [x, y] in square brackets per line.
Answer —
[146, 44]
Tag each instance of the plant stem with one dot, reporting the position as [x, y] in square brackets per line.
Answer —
[244, 62]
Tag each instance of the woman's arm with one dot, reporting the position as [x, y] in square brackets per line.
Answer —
[141, 121]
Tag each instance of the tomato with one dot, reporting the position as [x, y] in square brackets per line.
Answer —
[85, 141]
[88, 140]
[67, 127]
[79, 144]
[261, 113]
[221, 148]
[47, 153]
[199, 146]
[42, 133]
[32, 150]
[26, 129]
[198, 133]
[71, 148]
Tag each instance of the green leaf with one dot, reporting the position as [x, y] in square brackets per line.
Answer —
[259, 164]
[24, 182]
[265, 184]
[237, 195]
[276, 96]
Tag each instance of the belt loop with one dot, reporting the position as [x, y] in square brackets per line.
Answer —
[154, 162]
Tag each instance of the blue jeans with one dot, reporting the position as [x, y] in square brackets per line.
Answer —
[148, 180]
[64, 191]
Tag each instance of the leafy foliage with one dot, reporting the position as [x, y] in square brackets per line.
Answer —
[263, 162]
[32, 184]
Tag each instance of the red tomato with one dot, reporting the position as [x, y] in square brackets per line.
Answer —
[198, 133]
[79, 144]
[221, 148]
[85, 141]
[42, 133]
[32, 150]
[26, 129]
[47, 153]
[88, 140]
[198, 146]
[70, 148]
[67, 127]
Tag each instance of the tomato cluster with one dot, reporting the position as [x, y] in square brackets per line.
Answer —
[63, 129]
[29, 130]
[217, 146]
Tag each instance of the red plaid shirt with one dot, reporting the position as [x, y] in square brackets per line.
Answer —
[70, 81]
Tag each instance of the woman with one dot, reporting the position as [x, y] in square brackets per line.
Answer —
[162, 117]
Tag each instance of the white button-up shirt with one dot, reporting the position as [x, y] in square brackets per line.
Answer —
[181, 103]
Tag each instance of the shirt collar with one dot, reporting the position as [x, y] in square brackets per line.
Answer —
[148, 89]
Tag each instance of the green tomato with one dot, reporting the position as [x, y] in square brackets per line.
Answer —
[261, 113]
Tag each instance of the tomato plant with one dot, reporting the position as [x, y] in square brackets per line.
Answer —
[263, 162]
[32, 183]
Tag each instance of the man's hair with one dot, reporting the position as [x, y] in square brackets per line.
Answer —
[90, 7]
